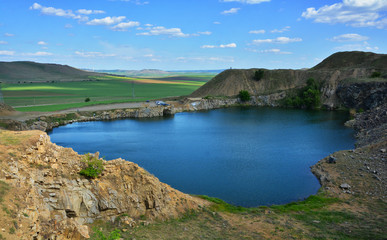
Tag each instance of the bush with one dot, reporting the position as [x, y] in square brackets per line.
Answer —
[87, 99]
[259, 74]
[244, 95]
[93, 166]
[308, 97]
[376, 74]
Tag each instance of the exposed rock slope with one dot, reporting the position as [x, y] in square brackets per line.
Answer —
[338, 71]
[54, 201]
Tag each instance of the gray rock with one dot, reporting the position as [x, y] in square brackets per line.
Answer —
[345, 186]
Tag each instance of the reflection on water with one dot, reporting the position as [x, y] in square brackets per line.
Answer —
[246, 156]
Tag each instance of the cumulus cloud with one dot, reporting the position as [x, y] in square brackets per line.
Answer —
[7, 53]
[217, 23]
[9, 34]
[247, 1]
[257, 31]
[68, 26]
[285, 29]
[280, 40]
[231, 11]
[123, 26]
[88, 12]
[93, 54]
[350, 37]
[57, 12]
[356, 13]
[159, 30]
[42, 43]
[106, 21]
[3, 42]
[230, 45]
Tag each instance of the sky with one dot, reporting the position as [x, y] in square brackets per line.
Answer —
[189, 34]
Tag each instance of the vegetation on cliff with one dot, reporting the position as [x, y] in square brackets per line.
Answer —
[307, 97]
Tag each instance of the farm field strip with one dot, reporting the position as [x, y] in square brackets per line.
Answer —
[61, 95]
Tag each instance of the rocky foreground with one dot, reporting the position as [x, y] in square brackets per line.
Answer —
[43, 196]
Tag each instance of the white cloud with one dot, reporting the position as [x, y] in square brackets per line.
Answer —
[38, 54]
[285, 29]
[172, 32]
[356, 13]
[257, 31]
[68, 26]
[205, 33]
[42, 43]
[106, 21]
[125, 25]
[247, 1]
[231, 11]
[350, 37]
[57, 12]
[275, 51]
[217, 23]
[148, 25]
[230, 45]
[9, 34]
[3, 42]
[365, 46]
[93, 54]
[280, 40]
[7, 53]
[88, 12]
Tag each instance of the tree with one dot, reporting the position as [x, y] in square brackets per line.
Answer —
[87, 99]
[259, 74]
[244, 95]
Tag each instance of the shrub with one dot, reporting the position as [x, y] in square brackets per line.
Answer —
[244, 95]
[376, 74]
[259, 74]
[93, 166]
[87, 99]
[308, 97]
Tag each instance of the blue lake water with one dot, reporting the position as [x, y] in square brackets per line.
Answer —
[245, 156]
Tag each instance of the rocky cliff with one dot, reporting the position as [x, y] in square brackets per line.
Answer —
[338, 71]
[46, 198]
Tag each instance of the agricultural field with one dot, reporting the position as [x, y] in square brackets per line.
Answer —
[53, 96]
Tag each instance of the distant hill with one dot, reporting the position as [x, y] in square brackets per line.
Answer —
[354, 59]
[158, 73]
[41, 72]
[339, 68]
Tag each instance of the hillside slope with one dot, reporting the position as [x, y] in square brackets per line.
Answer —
[337, 70]
[13, 72]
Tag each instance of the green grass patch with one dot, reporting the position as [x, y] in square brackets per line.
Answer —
[47, 97]
[311, 203]
[222, 206]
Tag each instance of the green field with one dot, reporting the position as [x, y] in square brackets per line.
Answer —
[111, 89]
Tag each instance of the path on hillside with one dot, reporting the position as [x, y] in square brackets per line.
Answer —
[23, 116]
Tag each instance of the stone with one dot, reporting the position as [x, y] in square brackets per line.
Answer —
[383, 150]
[331, 159]
[345, 186]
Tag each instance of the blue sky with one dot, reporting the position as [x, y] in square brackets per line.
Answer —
[189, 34]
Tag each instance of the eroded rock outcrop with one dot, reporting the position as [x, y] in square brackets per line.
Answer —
[60, 202]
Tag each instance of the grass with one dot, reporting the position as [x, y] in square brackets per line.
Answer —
[4, 187]
[105, 90]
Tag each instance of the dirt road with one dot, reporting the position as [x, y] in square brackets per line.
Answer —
[23, 116]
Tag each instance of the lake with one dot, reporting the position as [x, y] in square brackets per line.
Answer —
[245, 156]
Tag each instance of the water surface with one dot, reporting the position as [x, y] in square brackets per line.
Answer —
[245, 156]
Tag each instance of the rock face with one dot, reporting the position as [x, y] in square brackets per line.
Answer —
[60, 201]
[336, 75]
